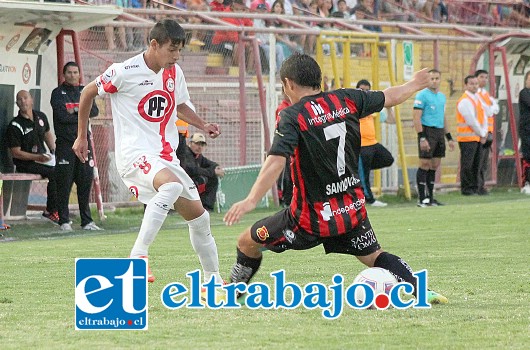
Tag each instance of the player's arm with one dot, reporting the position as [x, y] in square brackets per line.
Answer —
[271, 170]
[188, 115]
[49, 139]
[80, 146]
[416, 119]
[18, 153]
[398, 94]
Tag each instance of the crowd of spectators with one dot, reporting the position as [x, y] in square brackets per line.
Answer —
[514, 13]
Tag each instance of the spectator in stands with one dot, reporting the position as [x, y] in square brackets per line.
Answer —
[325, 8]
[254, 5]
[197, 37]
[289, 45]
[69, 169]
[440, 12]
[373, 154]
[396, 11]
[263, 41]
[25, 137]
[225, 42]
[362, 11]
[342, 9]
[202, 171]
[130, 38]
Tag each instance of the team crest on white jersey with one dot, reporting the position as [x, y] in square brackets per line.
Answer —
[170, 85]
[107, 76]
[155, 105]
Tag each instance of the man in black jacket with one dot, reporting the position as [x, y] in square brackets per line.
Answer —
[69, 169]
[25, 137]
[203, 171]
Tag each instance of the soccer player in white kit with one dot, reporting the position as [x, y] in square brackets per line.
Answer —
[146, 92]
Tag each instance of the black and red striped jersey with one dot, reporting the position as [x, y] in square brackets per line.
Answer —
[321, 133]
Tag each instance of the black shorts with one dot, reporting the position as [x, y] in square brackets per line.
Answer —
[279, 233]
[435, 137]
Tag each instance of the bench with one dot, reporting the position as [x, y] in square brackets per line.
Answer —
[18, 195]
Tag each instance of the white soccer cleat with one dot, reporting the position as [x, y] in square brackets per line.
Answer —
[526, 189]
[66, 227]
[91, 226]
[378, 204]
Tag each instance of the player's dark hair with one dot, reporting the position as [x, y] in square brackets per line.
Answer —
[466, 79]
[363, 82]
[168, 30]
[303, 70]
[480, 71]
[435, 71]
[69, 64]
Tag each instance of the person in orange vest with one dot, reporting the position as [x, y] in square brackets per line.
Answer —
[373, 154]
[471, 134]
[491, 108]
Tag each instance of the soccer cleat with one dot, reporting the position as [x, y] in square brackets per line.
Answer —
[53, 217]
[378, 204]
[150, 276]
[526, 189]
[91, 226]
[220, 295]
[435, 203]
[424, 203]
[436, 298]
[66, 227]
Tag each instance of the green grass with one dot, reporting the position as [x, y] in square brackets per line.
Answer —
[475, 249]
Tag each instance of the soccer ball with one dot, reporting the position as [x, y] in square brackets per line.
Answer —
[381, 280]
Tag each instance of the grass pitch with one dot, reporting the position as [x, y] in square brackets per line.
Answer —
[475, 249]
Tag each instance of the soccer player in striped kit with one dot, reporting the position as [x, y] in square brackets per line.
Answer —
[320, 130]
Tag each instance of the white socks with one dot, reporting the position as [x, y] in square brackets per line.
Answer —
[204, 245]
[154, 216]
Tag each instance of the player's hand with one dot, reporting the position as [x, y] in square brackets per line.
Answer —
[43, 158]
[80, 149]
[451, 145]
[422, 78]
[212, 130]
[237, 211]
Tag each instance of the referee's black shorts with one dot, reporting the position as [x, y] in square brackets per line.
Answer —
[435, 137]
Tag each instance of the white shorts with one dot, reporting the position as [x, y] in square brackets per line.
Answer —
[139, 180]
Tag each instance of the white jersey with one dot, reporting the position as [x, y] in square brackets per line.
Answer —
[144, 109]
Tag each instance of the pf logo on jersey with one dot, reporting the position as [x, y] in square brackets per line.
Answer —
[155, 106]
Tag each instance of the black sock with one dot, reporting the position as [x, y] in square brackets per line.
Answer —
[245, 268]
[431, 177]
[397, 266]
[421, 181]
